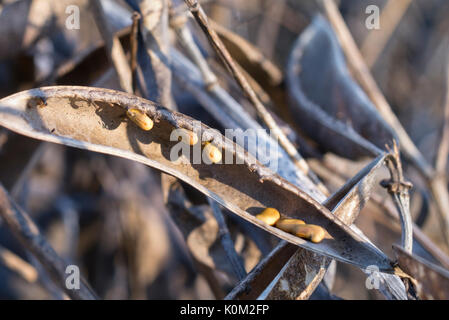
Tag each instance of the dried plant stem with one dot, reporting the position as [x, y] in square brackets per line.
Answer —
[28, 233]
[364, 77]
[3, 137]
[134, 46]
[203, 97]
[362, 74]
[154, 29]
[398, 188]
[443, 149]
[386, 205]
[115, 50]
[24, 175]
[260, 277]
[18, 265]
[269, 30]
[376, 40]
[200, 16]
[226, 241]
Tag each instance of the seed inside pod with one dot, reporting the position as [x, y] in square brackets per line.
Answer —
[288, 225]
[140, 118]
[212, 153]
[187, 136]
[269, 216]
[310, 232]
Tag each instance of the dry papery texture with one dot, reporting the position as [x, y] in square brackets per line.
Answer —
[144, 224]
[94, 119]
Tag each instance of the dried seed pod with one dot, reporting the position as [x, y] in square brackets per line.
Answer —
[187, 136]
[288, 225]
[212, 152]
[140, 118]
[269, 216]
[310, 232]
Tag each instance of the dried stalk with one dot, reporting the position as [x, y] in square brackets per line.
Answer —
[134, 46]
[260, 277]
[22, 226]
[115, 50]
[24, 175]
[154, 29]
[336, 178]
[398, 188]
[443, 149]
[201, 18]
[361, 72]
[18, 265]
[226, 241]
[376, 40]
[269, 30]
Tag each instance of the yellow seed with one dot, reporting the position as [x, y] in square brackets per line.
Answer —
[288, 225]
[310, 232]
[140, 118]
[269, 216]
[187, 136]
[212, 153]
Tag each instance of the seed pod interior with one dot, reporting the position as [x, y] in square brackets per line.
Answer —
[92, 119]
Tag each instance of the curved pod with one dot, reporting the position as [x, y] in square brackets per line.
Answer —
[93, 119]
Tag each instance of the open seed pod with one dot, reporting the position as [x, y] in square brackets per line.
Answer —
[94, 119]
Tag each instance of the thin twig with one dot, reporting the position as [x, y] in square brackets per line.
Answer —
[115, 50]
[337, 178]
[3, 137]
[364, 77]
[375, 41]
[25, 174]
[361, 72]
[201, 18]
[269, 29]
[134, 46]
[154, 30]
[18, 265]
[226, 241]
[398, 188]
[443, 149]
[22, 226]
